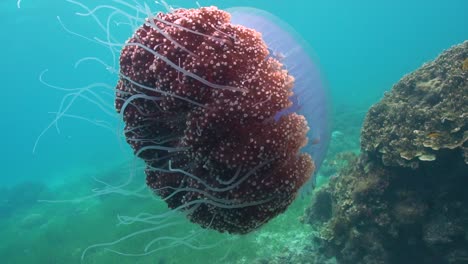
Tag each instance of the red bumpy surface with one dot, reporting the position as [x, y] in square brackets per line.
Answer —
[198, 96]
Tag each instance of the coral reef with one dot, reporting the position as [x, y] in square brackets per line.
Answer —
[404, 199]
[374, 214]
[426, 111]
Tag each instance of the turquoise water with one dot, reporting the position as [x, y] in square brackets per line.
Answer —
[362, 47]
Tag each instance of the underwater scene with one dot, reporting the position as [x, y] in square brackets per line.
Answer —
[237, 132]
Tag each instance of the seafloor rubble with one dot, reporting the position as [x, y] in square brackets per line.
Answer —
[405, 198]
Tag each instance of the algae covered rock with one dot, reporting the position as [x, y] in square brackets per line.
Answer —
[393, 215]
[424, 113]
[404, 199]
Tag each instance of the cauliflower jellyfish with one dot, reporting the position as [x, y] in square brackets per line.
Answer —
[226, 108]
[310, 94]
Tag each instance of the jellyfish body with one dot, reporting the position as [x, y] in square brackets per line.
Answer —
[218, 117]
[310, 97]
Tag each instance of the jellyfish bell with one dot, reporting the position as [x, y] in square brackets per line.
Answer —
[310, 95]
[219, 105]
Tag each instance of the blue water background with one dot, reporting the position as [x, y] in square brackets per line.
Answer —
[363, 47]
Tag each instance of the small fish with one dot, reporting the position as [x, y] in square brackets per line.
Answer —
[433, 135]
[465, 65]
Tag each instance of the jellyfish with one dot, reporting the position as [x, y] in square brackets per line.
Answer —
[227, 110]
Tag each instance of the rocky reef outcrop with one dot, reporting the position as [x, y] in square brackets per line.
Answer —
[424, 113]
[404, 199]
